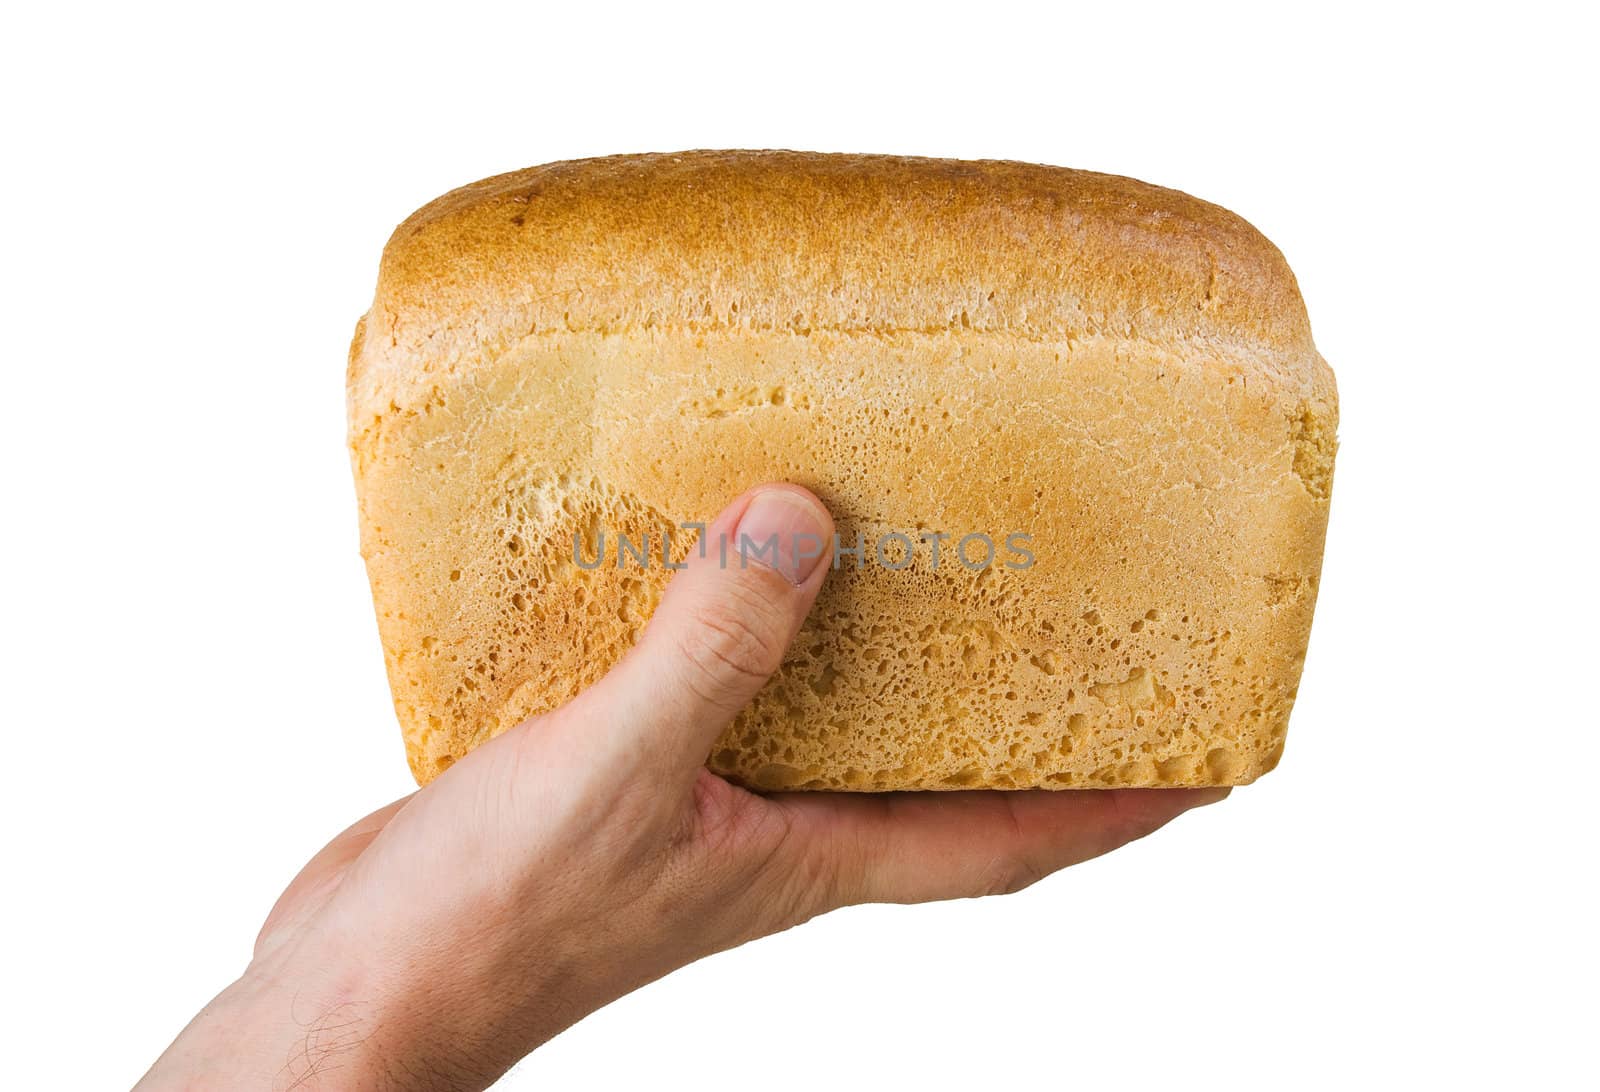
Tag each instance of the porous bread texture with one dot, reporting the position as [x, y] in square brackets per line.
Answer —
[1123, 372]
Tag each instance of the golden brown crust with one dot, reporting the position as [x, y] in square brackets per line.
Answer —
[803, 241]
[1121, 370]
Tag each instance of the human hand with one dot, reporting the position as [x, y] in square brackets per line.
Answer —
[588, 851]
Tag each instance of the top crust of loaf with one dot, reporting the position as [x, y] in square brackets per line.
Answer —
[778, 240]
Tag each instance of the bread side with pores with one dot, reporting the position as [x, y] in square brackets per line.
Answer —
[1121, 372]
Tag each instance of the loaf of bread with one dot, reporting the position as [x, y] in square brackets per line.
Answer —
[1122, 374]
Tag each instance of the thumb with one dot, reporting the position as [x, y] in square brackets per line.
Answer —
[722, 627]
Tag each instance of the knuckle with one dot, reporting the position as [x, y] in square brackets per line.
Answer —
[800, 882]
[844, 874]
[1008, 876]
[1013, 871]
[728, 647]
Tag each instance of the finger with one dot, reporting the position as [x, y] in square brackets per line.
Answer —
[322, 873]
[919, 847]
[721, 629]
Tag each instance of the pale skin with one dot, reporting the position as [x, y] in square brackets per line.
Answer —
[588, 851]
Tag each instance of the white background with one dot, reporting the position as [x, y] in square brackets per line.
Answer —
[194, 206]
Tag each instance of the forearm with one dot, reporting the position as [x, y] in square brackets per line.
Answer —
[451, 1019]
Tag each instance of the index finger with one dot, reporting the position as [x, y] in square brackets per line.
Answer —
[924, 846]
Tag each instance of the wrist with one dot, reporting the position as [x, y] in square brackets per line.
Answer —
[336, 1011]
[271, 1030]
